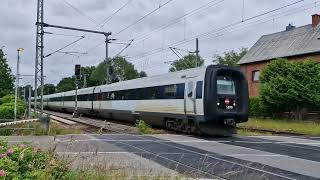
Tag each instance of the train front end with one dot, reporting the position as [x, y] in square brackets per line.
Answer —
[225, 100]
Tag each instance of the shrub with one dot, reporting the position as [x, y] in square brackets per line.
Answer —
[7, 107]
[254, 107]
[143, 127]
[26, 162]
[290, 86]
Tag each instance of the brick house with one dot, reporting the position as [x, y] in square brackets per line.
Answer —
[295, 44]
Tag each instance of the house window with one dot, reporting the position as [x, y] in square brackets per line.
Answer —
[255, 76]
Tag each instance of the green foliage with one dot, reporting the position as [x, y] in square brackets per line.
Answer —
[6, 77]
[142, 74]
[230, 58]
[26, 162]
[66, 84]
[143, 127]
[287, 86]
[7, 107]
[48, 89]
[187, 62]
[123, 70]
[256, 109]
[87, 71]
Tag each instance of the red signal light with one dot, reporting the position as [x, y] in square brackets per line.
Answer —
[227, 101]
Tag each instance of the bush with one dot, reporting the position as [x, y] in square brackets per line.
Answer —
[143, 127]
[25, 162]
[254, 107]
[7, 107]
[290, 86]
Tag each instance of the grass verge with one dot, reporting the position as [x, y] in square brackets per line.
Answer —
[310, 128]
[35, 128]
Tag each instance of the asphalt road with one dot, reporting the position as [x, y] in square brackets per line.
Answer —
[263, 157]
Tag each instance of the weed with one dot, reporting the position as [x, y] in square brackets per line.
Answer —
[143, 127]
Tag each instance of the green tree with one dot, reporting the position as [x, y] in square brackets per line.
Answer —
[290, 86]
[186, 62]
[6, 77]
[230, 58]
[143, 74]
[49, 89]
[87, 72]
[66, 84]
[122, 70]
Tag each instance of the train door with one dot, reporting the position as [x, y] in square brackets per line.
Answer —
[189, 98]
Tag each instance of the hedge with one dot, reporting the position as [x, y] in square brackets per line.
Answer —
[7, 107]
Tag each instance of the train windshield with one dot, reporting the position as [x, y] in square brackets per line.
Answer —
[226, 86]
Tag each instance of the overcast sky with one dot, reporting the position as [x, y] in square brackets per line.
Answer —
[18, 17]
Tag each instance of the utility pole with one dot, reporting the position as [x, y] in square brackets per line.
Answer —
[197, 52]
[29, 103]
[39, 57]
[17, 84]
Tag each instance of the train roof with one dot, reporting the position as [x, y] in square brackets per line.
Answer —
[156, 80]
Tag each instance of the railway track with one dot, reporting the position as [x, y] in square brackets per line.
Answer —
[108, 126]
[100, 125]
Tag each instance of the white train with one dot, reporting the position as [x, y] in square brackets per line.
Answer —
[207, 100]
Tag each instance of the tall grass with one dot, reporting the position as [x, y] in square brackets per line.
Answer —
[302, 127]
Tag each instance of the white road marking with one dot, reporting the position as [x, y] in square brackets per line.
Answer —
[288, 163]
[125, 152]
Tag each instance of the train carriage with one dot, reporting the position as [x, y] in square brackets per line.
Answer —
[208, 100]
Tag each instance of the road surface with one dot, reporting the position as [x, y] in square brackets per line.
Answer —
[239, 157]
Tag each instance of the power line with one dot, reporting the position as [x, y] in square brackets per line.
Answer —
[106, 20]
[63, 47]
[216, 30]
[143, 17]
[176, 20]
[307, 7]
[124, 48]
[80, 12]
[137, 21]
[60, 34]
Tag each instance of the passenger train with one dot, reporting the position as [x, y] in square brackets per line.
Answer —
[207, 100]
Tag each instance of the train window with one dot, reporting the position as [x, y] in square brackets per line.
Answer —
[199, 89]
[225, 85]
[190, 89]
[90, 97]
[99, 97]
[170, 92]
[105, 96]
[112, 96]
[180, 91]
[140, 94]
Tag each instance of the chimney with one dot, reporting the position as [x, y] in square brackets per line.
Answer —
[315, 20]
[290, 27]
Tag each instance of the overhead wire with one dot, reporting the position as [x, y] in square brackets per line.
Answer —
[290, 12]
[80, 12]
[143, 17]
[64, 47]
[208, 5]
[107, 19]
[134, 23]
[216, 29]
